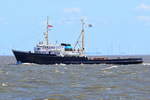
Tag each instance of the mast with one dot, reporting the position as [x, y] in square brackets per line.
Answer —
[80, 40]
[82, 34]
[46, 33]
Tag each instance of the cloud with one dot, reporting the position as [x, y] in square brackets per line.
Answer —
[72, 10]
[73, 19]
[70, 20]
[144, 18]
[3, 20]
[143, 6]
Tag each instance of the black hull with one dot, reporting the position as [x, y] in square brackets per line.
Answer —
[28, 57]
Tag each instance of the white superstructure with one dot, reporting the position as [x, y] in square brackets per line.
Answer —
[59, 50]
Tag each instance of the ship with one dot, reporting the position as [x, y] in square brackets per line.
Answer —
[63, 53]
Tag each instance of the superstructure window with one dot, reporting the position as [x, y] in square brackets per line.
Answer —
[38, 48]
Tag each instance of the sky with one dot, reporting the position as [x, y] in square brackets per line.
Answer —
[120, 27]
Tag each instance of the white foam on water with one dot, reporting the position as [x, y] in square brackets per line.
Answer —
[4, 84]
[29, 64]
[145, 64]
[56, 64]
[57, 71]
[65, 68]
[26, 63]
[82, 64]
[63, 64]
[114, 66]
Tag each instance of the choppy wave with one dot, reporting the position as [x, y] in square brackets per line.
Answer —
[74, 82]
[29, 64]
[113, 66]
[146, 64]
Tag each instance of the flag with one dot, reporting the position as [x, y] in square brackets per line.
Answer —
[49, 26]
[90, 25]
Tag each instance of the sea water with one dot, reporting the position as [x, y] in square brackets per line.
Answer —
[73, 82]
